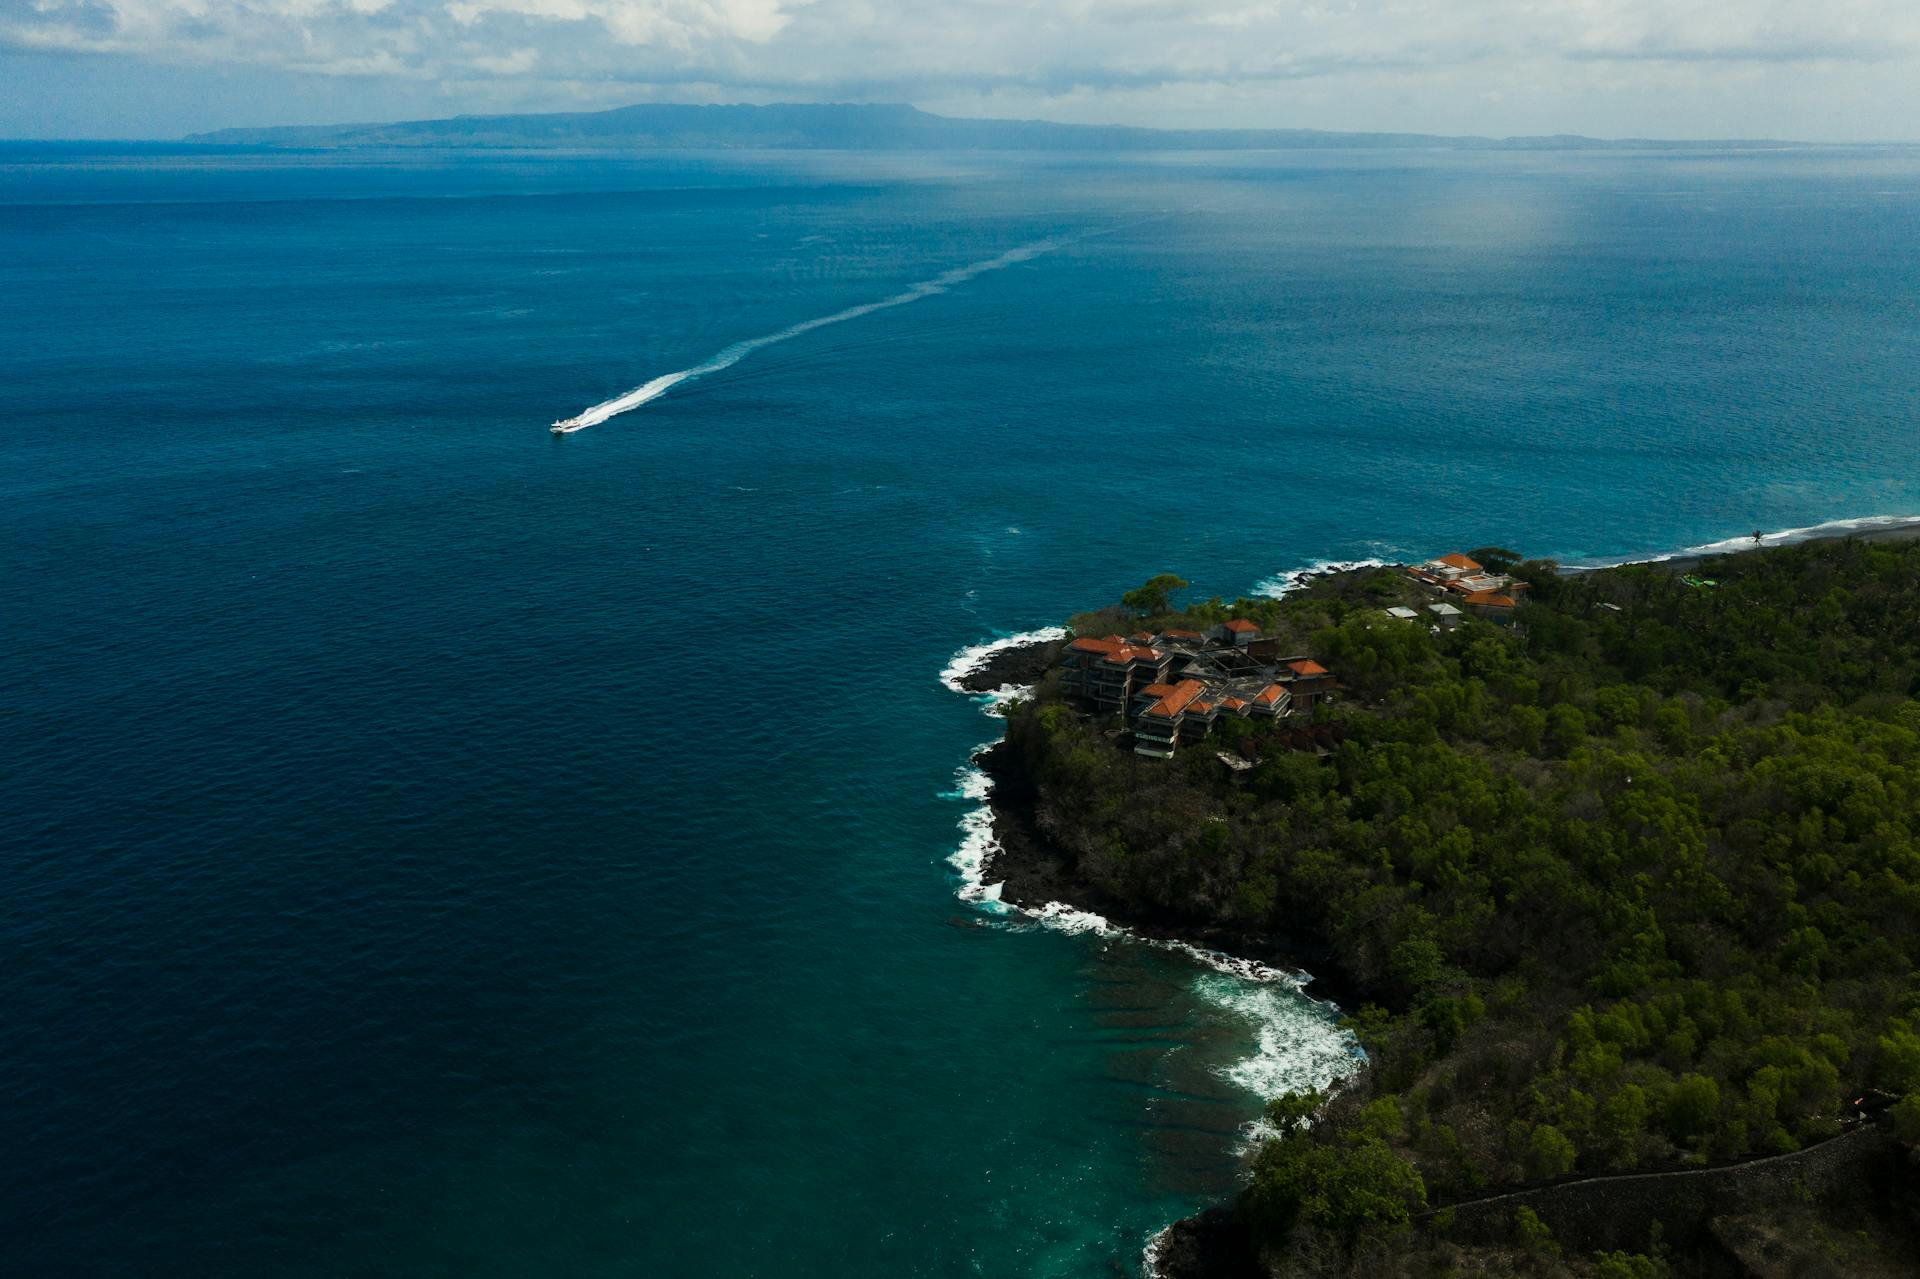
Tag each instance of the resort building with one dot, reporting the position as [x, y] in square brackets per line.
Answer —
[1272, 702]
[1175, 686]
[1464, 576]
[1307, 681]
[1491, 604]
[1106, 671]
[1446, 569]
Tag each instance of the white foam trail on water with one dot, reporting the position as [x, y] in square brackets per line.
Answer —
[1781, 537]
[650, 391]
[1281, 585]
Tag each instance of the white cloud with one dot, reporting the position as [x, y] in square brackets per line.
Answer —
[1023, 55]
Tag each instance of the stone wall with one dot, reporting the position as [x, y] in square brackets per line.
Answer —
[1620, 1212]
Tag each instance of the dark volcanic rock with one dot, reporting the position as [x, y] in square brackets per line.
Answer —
[1208, 1245]
[1021, 665]
[1034, 870]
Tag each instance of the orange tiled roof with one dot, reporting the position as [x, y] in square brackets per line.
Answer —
[1270, 694]
[1199, 708]
[1184, 634]
[1490, 599]
[1306, 666]
[1240, 624]
[1156, 690]
[1232, 704]
[1114, 649]
[1457, 560]
[1173, 703]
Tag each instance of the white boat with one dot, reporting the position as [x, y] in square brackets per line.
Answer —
[566, 424]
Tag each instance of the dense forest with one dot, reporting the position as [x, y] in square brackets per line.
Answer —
[1632, 882]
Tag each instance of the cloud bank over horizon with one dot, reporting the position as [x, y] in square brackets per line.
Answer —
[1847, 69]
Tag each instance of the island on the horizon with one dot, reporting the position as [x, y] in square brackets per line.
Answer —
[1617, 874]
[863, 126]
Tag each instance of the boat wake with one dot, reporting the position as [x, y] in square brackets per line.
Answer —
[647, 392]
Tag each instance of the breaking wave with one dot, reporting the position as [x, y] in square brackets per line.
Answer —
[1155, 1250]
[1296, 1042]
[1296, 1046]
[650, 391]
[974, 656]
[978, 843]
[1780, 537]
[1280, 585]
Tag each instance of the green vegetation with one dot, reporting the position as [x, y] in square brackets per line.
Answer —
[1632, 883]
[1155, 597]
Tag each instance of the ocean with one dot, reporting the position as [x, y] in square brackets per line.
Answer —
[437, 846]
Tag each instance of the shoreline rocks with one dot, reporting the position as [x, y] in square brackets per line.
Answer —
[1019, 665]
[1034, 870]
[1211, 1244]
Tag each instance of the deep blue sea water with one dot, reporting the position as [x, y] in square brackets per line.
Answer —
[433, 846]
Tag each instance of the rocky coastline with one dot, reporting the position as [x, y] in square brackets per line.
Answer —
[1034, 863]
[1213, 1244]
[1016, 666]
[1034, 870]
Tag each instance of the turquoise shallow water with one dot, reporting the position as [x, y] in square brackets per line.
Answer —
[433, 846]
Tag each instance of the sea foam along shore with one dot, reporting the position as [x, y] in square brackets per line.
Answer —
[976, 840]
[1281, 585]
[1286, 1058]
[1297, 1041]
[976, 658]
[1865, 526]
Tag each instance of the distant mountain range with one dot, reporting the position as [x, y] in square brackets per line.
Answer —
[866, 127]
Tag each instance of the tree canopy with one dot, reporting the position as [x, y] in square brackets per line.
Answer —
[1155, 596]
[1634, 883]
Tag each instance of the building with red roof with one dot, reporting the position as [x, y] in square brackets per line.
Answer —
[1491, 604]
[1174, 687]
[1106, 672]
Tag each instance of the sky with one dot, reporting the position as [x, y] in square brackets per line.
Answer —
[1832, 70]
